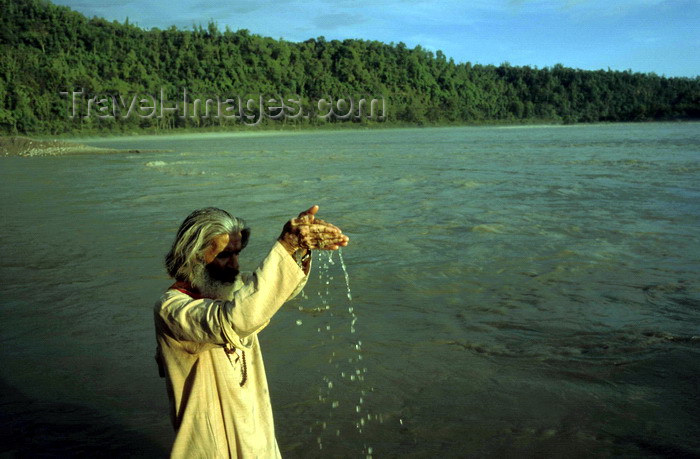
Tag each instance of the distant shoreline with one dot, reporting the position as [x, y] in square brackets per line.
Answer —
[288, 128]
[67, 144]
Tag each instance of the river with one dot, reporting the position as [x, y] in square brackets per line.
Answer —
[516, 291]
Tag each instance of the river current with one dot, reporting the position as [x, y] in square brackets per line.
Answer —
[515, 291]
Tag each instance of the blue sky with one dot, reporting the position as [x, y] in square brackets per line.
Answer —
[657, 36]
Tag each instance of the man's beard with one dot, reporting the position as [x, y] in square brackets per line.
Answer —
[213, 288]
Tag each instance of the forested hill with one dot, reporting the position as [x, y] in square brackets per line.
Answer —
[48, 49]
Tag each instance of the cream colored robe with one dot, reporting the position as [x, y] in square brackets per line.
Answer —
[213, 416]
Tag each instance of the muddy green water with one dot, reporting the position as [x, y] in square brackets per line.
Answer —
[516, 292]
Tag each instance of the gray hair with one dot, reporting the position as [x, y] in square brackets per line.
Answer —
[194, 237]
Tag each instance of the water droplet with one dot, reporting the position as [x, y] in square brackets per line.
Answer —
[345, 272]
[324, 261]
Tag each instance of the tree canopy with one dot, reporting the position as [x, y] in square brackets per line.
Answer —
[47, 49]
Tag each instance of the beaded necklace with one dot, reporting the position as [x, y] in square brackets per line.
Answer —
[229, 349]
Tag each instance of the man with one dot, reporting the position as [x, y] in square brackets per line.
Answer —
[207, 324]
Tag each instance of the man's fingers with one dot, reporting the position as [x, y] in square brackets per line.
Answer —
[314, 239]
[314, 228]
[326, 240]
[318, 221]
[331, 243]
[315, 233]
[310, 212]
[320, 228]
[334, 246]
[308, 217]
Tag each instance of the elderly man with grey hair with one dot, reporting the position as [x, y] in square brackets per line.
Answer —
[207, 324]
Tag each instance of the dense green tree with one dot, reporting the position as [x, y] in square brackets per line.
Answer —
[47, 49]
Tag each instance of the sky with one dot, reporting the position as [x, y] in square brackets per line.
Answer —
[659, 36]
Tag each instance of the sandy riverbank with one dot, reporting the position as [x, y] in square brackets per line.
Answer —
[25, 146]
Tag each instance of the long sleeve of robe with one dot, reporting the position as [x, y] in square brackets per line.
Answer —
[213, 414]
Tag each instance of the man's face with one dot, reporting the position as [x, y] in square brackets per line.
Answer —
[224, 267]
